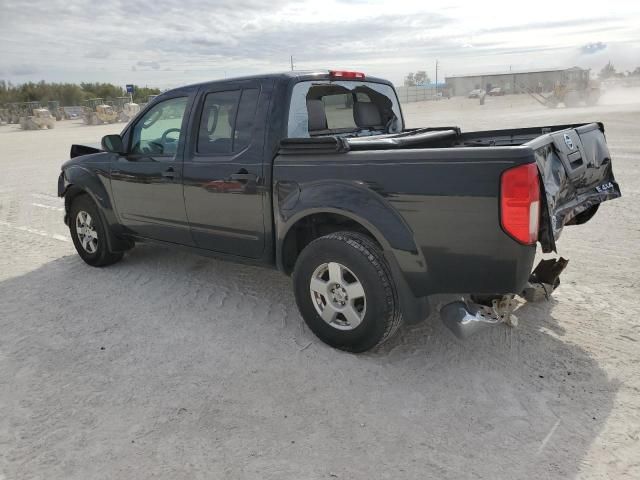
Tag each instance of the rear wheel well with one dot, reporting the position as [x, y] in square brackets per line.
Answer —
[308, 228]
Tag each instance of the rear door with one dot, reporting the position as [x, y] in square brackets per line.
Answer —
[224, 186]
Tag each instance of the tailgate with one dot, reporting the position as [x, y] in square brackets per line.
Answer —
[575, 166]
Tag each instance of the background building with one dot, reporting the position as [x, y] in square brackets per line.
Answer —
[510, 82]
[418, 93]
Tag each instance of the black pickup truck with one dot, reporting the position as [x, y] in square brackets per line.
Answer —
[316, 175]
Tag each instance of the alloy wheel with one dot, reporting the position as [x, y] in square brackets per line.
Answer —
[86, 232]
[338, 296]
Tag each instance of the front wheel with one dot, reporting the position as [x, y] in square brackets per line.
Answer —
[345, 292]
[89, 233]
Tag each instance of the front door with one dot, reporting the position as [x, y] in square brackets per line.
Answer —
[147, 181]
[224, 188]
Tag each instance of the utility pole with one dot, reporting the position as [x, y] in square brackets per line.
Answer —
[292, 63]
[436, 78]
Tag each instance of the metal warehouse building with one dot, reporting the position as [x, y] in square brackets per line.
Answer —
[510, 82]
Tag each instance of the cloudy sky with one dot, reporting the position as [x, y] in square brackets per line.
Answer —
[167, 43]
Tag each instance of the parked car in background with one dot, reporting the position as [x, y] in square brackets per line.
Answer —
[496, 92]
[476, 93]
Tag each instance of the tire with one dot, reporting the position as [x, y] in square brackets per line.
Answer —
[362, 268]
[94, 250]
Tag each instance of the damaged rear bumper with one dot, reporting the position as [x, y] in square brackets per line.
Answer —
[467, 317]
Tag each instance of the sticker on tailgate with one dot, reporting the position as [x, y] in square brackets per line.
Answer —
[604, 187]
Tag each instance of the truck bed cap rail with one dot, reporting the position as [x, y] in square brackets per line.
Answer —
[334, 144]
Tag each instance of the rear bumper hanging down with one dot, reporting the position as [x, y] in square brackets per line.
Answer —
[464, 318]
[467, 318]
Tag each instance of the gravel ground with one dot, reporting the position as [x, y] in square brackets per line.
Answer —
[173, 366]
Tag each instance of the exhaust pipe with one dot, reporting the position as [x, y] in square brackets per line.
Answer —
[465, 319]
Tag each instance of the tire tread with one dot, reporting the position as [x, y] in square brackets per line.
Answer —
[105, 256]
[366, 247]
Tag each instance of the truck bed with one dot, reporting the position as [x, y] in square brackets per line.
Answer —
[444, 186]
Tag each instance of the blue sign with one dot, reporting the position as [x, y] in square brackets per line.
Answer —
[129, 88]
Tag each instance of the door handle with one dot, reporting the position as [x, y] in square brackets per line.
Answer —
[169, 173]
[246, 177]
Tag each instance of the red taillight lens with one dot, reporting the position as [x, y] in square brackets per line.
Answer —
[520, 203]
[345, 74]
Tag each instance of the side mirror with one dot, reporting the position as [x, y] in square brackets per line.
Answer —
[112, 143]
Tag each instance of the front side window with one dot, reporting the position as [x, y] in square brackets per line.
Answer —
[226, 124]
[158, 131]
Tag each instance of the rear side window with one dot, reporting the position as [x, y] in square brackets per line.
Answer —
[244, 119]
[227, 121]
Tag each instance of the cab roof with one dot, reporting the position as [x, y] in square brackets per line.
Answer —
[295, 75]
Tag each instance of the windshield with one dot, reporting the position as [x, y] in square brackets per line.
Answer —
[343, 108]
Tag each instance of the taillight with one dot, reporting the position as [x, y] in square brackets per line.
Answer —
[520, 203]
[345, 74]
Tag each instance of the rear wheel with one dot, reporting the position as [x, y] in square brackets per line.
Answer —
[345, 292]
[89, 233]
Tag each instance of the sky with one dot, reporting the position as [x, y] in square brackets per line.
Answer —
[166, 43]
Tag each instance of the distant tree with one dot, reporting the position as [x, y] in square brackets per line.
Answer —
[106, 91]
[67, 94]
[410, 80]
[141, 94]
[70, 94]
[4, 91]
[607, 71]
[421, 77]
[635, 73]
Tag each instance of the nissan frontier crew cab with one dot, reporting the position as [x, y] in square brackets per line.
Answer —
[315, 174]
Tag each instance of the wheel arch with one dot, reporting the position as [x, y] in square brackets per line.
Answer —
[81, 181]
[364, 208]
[360, 209]
[307, 225]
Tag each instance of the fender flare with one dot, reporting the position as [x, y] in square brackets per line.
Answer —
[79, 180]
[353, 200]
[76, 176]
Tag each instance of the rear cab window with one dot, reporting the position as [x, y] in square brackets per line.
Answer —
[343, 108]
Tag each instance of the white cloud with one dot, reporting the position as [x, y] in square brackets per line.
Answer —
[167, 43]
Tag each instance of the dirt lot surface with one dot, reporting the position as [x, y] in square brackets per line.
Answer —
[173, 366]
